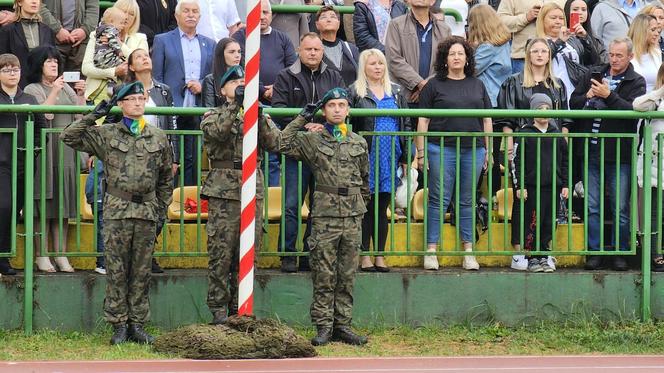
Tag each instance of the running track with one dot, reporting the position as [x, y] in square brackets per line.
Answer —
[480, 364]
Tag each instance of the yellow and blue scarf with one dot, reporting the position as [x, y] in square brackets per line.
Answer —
[135, 126]
[339, 131]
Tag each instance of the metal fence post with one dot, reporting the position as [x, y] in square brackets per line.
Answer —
[28, 217]
[647, 223]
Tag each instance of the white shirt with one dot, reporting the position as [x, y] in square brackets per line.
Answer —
[216, 16]
[648, 68]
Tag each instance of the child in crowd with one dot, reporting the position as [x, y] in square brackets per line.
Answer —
[108, 53]
[533, 217]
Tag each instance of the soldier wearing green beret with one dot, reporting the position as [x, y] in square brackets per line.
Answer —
[339, 161]
[137, 160]
[222, 135]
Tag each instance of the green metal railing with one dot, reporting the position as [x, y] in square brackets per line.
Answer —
[647, 154]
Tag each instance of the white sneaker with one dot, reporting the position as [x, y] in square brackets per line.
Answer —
[431, 261]
[469, 262]
[551, 261]
[100, 270]
[519, 262]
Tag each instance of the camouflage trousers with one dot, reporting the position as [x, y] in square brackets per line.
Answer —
[335, 245]
[128, 252]
[223, 245]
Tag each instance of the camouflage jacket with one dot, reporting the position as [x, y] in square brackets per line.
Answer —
[134, 164]
[333, 163]
[222, 136]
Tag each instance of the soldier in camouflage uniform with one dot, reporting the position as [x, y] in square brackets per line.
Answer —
[222, 136]
[338, 158]
[137, 160]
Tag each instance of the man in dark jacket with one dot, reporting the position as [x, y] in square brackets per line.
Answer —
[10, 93]
[157, 17]
[341, 55]
[305, 82]
[618, 88]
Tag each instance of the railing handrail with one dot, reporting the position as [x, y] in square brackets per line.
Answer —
[432, 113]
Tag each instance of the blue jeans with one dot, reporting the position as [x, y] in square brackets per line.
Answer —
[274, 169]
[292, 207]
[466, 180]
[89, 196]
[517, 65]
[594, 218]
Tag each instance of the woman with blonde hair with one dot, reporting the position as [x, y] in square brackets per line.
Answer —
[515, 93]
[101, 81]
[657, 11]
[25, 33]
[571, 53]
[644, 32]
[374, 90]
[653, 101]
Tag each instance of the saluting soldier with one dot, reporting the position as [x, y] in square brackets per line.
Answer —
[222, 136]
[137, 160]
[339, 161]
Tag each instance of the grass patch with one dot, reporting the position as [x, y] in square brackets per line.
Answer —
[545, 338]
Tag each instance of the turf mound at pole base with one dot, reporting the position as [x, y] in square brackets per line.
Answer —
[241, 337]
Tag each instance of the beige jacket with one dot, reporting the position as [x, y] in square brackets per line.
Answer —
[513, 14]
[402, 49]
[96, 76]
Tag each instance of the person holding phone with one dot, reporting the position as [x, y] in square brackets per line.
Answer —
[519, 16]
[593, 52]
[48, 86]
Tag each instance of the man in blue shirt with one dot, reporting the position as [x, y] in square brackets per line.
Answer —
[181, 58]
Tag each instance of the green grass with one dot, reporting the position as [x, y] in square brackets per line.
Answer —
[545, 338]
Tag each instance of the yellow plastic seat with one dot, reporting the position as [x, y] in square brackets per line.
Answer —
[500, 196]
[274, 203]
[85, 209]
[174, 211]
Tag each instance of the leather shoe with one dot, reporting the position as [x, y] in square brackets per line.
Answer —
[368, 269]
[619, 263]
[288, 265]
[322, 337]
[120, 334]
[219, 317]
[593, 262]
[6, 268]
[346, 335]
[139, 335]
[156, 268]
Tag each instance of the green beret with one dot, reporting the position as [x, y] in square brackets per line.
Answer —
[129, 89]
[233, 73]
[334, 94]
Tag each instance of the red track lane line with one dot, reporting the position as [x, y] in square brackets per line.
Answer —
[480, 364]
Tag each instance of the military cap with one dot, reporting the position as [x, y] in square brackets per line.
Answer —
[334, 94]
[233, 73]
[125, 90]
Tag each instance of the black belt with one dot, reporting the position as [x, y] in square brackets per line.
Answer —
[136, 198]
[342, 191]
[233, 165]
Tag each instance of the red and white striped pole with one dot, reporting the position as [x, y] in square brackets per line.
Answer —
[249, 155]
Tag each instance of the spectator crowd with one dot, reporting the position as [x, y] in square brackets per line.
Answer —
[509, 54]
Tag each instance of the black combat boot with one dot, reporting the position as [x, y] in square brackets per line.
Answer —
[288, 264]
[304, 264]
[346, 335]
[593, 263]
[219, 317]
[120, 334]
[155, 267]
[139, 335]
[322, 337]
